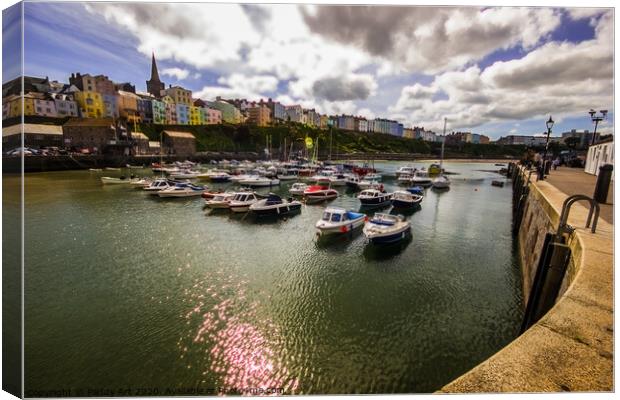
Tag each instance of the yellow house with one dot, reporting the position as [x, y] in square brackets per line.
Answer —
[195, 116]
[90, 103]
[179, 95]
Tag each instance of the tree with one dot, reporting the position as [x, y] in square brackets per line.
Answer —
[572, 142]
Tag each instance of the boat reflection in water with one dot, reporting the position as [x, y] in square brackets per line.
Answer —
[380, 252]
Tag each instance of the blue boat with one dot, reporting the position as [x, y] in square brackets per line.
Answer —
[419, 190]
[386, 229]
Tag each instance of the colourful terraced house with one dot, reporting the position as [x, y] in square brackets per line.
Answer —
[90, 103]
[159, 112]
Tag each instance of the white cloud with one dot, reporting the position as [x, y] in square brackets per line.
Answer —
[240, 86]
[178, 73]
[561, 79]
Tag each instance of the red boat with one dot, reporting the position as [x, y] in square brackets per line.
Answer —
[209, 194]
[361, 171]
[317, 193]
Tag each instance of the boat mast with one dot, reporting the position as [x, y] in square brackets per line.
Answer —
[330, 143]
[443, 142]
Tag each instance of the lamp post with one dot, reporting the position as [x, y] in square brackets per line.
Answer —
[541, 173]
[596, 119]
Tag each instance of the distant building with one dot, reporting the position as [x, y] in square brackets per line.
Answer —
[145, 108]
[230, 113]
[110, 102]
[360, 124]
[214, 116]
[278, 111]
[31, 84]
[179, 95]
[179, 143]
[98, 135]
[125, 86]
[182, 114]
[585, 137]
[527, 140]
[128, 106]
[158, 111]
[65, 106]
[171, 110]
[140, 143]
[90, 104]
[196, 115]
[44, 106]
[294, 113]
[408, 133]
[34, 135]
[154, 86]
[104, 85]
[259, 114]
[346, 122]
[86, 82]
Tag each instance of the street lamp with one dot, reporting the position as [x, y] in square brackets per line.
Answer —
[596, 119]
[541, 174]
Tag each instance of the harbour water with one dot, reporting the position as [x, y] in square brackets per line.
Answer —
[124, 289]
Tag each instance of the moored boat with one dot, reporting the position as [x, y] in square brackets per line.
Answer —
[107, 180]
[386, 228]
[182, 190]
[158, 185]
[338, 220]
[318, 193]
[441, 182]
[373, 197]
[141, 183]
[242, 201]
[421, 178]
[258, 181]
[274, 205]
[221, 200]
[298, 189]
[404, 199]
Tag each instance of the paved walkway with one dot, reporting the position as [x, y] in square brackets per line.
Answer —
[574, 181]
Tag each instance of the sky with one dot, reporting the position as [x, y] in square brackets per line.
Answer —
[494, 71]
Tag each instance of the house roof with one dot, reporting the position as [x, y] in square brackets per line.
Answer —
[39, 129]
[139, 135]
[178, 134]
[89, 122]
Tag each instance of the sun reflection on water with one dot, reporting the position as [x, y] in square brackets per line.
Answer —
[230, 342]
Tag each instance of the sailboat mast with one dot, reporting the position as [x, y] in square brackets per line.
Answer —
[443, 142]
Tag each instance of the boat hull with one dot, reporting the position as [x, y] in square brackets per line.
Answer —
[281, 209]
[351, 225]
[404, 204]
[389, 238]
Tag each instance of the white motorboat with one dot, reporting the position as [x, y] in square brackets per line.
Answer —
[182, 190]
[141, 183]
[298, 189]
[441, 182]
[405, 199]
[158, 185]
[221, 200]
[274, 205]
[107, 180]
[318, 193]
[366, 184]
[373, 197]
[240, 177]
[242, 201]
[421, 178]
[386, 228]
[405, 170]
[259, 181]
[185, 174]
[338, 180]
[405, 178]
[112, 169]
[338, 220]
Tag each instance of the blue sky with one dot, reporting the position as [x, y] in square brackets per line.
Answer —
[490, 71]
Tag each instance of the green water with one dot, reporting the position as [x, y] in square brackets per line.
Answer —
[124, 289]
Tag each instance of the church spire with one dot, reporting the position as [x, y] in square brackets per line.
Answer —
[154, 73]
[154, 86]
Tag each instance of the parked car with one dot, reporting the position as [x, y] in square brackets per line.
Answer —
[22, 150]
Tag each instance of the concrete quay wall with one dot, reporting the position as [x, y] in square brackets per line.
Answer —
[571, 347]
